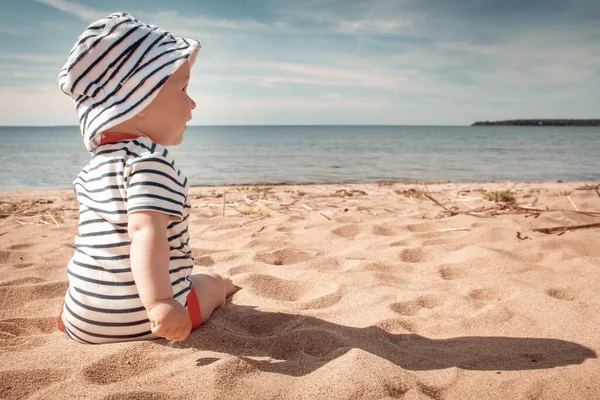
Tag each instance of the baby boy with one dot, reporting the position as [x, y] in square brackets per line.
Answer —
[130, 276]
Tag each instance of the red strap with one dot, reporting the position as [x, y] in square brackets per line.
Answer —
[60, 323]
[194, 308]
[116, 138]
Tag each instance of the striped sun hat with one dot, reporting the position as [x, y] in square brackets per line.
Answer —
[116, 68]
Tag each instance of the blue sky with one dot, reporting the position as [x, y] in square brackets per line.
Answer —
[413, 62]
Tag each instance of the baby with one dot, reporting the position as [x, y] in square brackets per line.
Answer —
[130, 277]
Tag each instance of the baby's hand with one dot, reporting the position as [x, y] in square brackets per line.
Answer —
[170, 320]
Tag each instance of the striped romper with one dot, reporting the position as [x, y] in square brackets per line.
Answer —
[102, 304]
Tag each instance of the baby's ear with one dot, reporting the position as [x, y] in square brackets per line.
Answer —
[142, 113]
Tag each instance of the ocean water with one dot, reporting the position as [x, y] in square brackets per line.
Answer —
[51, 157]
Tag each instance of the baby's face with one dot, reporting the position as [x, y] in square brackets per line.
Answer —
[164, 120]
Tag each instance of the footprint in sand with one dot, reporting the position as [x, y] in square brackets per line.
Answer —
[306, 293]
[397, 326]
[412, 307]
[435, 242]
[204, 260]
[285, 256]
[324, 264]
[16, 385]
[268, 243]
[415, 255]
[285, 229]
[374, 279]
[347, 231]
[400, 243]
[487, 294]
[561, 293]
[450, 272]
[242, 269]
[394, 269]
[384, 231]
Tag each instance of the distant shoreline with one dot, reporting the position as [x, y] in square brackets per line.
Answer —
[540, 122]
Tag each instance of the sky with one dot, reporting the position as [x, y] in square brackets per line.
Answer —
[340, 62]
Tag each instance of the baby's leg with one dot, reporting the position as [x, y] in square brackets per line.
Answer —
[212, 290]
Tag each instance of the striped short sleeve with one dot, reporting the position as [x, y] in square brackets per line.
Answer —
[154, 184]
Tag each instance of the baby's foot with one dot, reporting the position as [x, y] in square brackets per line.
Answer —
[230, 288]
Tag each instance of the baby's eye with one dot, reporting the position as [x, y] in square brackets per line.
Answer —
[184, 88]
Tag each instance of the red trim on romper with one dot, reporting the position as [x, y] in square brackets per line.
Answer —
[116, 138]
[194, 308]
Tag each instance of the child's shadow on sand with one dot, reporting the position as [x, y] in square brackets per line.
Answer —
[298, 345]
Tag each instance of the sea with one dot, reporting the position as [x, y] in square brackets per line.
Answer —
[51, 157]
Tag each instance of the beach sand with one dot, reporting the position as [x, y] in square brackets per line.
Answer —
[348, 292]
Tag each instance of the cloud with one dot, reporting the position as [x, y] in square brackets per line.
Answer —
[377, 26]
[450, 61]
[84, 13]
[189, 21]
[33, 57]
[11, 31]
[36, 105]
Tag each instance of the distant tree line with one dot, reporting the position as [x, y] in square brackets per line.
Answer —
[542, 122]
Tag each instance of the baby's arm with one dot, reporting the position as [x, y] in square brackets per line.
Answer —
[150, 268]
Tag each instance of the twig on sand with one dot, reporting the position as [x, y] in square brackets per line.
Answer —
[52, 217]
[321, 212]
[430, 197]
[254, 220]
[503, 209]
[590, 187]
[307, 207]
[573, 204]
[452, 229]
[566, 228]
[520, 237]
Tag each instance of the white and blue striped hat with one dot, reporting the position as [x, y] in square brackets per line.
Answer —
[116, 68]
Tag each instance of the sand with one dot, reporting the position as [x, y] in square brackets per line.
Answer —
[348, 292]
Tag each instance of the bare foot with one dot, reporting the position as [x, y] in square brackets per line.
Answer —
[230, 288]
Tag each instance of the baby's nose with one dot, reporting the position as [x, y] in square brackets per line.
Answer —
[193, 103]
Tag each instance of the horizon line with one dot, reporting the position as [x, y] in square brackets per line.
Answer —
[230, 125]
